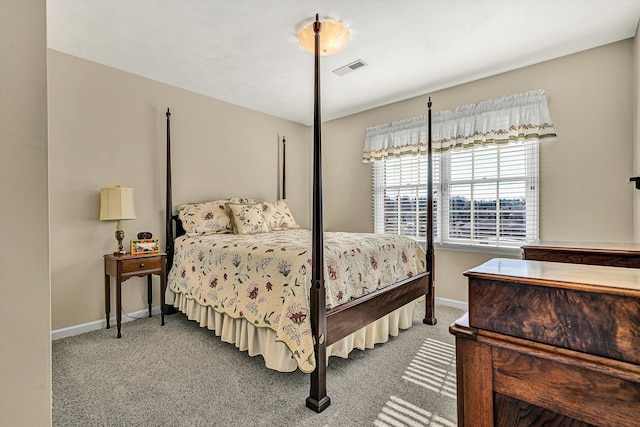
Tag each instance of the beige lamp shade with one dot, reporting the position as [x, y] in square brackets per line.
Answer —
[334, 36]
[116, 203]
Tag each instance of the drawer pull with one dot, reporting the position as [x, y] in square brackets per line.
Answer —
[141, 264]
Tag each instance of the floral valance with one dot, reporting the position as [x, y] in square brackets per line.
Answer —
[515, 118]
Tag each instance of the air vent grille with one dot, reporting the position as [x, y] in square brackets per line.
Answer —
[350, 67]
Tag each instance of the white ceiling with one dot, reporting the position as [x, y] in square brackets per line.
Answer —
[245, 51]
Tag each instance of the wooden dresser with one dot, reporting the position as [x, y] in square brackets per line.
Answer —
[548, 343]
[612, 254]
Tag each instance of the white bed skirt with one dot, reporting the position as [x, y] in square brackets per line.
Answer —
[261, 341]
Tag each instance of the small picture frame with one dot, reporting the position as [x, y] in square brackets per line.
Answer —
[144, 246]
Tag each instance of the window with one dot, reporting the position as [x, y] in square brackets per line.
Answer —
[486, 195]
[485, 167]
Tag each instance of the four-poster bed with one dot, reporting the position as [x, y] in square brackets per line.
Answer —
[330, 321]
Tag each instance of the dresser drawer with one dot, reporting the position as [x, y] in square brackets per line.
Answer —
[142, 264]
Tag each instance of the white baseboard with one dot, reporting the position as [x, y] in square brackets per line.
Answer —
[100, 324]
[453, 303]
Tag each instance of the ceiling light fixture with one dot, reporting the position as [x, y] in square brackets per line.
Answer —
[335, 36]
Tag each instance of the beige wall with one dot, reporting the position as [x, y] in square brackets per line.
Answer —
[25, 345]
[584, 189]
[109, 127]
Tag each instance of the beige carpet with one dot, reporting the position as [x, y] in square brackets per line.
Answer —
[183, 375]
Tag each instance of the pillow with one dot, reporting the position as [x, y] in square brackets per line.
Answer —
[247, 218]
[278, 215]
[205, 218]
[243, 201]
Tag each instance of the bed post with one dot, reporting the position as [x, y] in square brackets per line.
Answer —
[169, 202]
[284, 171]
[318, 399]
[429, 315]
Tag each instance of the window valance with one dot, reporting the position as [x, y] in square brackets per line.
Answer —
[514, 118]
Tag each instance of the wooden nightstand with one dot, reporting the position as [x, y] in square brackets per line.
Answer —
[123, 267]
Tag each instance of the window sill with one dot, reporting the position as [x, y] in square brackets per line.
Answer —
[512, 252]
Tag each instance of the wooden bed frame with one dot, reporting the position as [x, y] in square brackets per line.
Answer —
[329, 326]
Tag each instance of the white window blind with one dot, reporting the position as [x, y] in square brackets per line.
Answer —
[491, 195]
[400, 195]
[483, 195]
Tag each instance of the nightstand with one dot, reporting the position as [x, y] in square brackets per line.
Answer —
[123, 267]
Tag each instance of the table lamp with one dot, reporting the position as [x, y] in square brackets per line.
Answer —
[116, 204]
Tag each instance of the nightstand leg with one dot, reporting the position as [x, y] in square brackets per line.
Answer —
[107, 298]
[118, 305]
[149, 292]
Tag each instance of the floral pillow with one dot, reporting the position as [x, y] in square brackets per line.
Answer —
[278, 215]
[205, 218]
[247, 218]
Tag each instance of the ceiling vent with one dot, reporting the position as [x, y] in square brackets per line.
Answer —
[350, 67]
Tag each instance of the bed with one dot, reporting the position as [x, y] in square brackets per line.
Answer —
[244, 268]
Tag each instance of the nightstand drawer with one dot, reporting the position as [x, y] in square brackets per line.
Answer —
[142, 264]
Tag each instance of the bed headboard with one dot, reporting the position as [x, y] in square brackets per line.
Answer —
[178, 228]
[174, 227]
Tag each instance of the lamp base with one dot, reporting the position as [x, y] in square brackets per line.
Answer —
[119, 238]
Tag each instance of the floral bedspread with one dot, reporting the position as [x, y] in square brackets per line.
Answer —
[265, 278]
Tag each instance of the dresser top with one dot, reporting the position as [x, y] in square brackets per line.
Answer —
[592, 278]
[595, 247]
